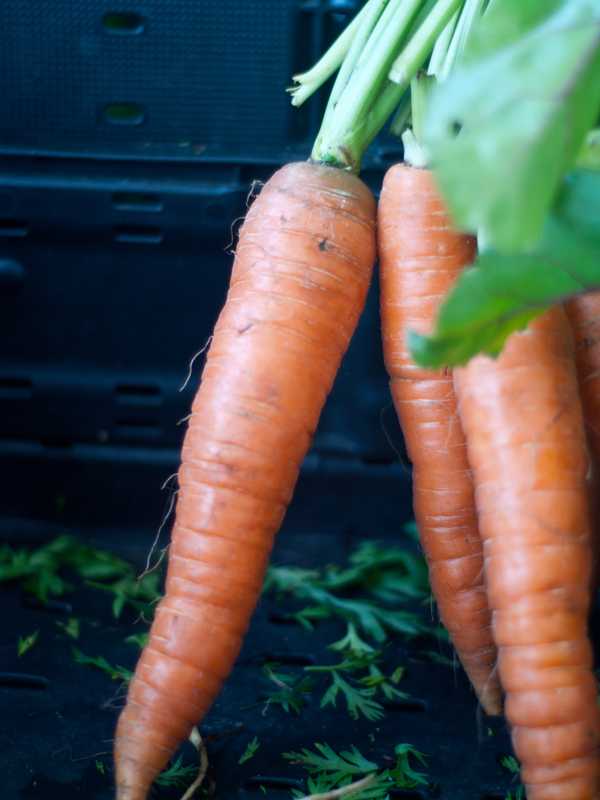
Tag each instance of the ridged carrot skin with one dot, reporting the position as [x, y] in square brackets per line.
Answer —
[299, 283]
[421, 255]
[584, 315]
[523, 422]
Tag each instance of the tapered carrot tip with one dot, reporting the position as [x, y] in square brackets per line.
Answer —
[299, 284]
[421, 257]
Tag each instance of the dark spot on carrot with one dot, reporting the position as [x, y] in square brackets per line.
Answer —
[323, 245]
[283, 218]
[245, 328]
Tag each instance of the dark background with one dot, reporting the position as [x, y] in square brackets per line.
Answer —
[130, 135]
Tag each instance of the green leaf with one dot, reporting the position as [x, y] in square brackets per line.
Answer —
[502, 293]
[339, 767]
[352, 643]
[71, 627]
[250, 750]
[291, 693]
[404, 775]
[139, 639]
[177, 774]
[115, 673]
[100, 767]
[511, 119]
[359, 700]
[25, 643]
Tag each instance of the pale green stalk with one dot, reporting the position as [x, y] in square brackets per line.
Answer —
[341, 140]
[312, 80]
[441, 46]
[472, 11]
[422, 43]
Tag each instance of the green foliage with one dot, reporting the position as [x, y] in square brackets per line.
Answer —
[177, 774]
[250, 750]
[25, 643]
[291, 692]
[385, 578]
[71, 627]
[139, 639]
[511, 765]
[330, 770]
[115, 673]
[503, 292]
[41, 572]
[139, 593]
[359, 691]
[512, 117]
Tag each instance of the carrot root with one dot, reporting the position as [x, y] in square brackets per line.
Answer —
[299, 283]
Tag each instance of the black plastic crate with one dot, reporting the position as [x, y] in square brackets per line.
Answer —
[131, 138]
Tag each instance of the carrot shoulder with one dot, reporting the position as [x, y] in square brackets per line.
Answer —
[421, 255]
[299, 283]
[526, 443]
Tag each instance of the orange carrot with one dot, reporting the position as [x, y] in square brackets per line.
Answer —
[299, 283]
[421, 255]
[584, 315]
[526, 442]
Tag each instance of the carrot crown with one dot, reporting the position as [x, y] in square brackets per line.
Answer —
[377, 56]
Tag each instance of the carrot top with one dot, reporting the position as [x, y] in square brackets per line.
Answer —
[397, 35]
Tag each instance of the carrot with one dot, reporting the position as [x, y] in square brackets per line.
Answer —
[584, 315]
[525, 434]
[421, 255]
[299, 283]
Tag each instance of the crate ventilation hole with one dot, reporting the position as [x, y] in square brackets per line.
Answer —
[13, 228]
[17, 388]
[138, 234]
[139, 202]
[123, 23]
[124, 114]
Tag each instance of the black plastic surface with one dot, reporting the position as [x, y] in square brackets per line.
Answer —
[51, 738]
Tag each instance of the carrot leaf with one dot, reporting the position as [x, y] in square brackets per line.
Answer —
[291, 692]
[115, 673]
[510, 120]
[503, 292]
[177, 774]
[250, 750]
[329, 770]
[25, 643]
[71, 627]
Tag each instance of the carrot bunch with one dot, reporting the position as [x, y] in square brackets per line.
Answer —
[502, 473]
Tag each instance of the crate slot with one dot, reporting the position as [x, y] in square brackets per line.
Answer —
[123, 23]
[138, 234]
[138, 395]
[410, 705]
[14, 228]
[18, 680]
[408, 794]
[140, 202]
[271, 782]
[286, 659]
[134, 427]
[56, 442]
[17, 388]
[124, 114]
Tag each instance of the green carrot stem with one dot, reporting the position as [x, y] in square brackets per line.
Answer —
[310, 81]
[471, 12]
[412, 59]
[441, 46]
[341, 141]
[375, 9]
[422, 43]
